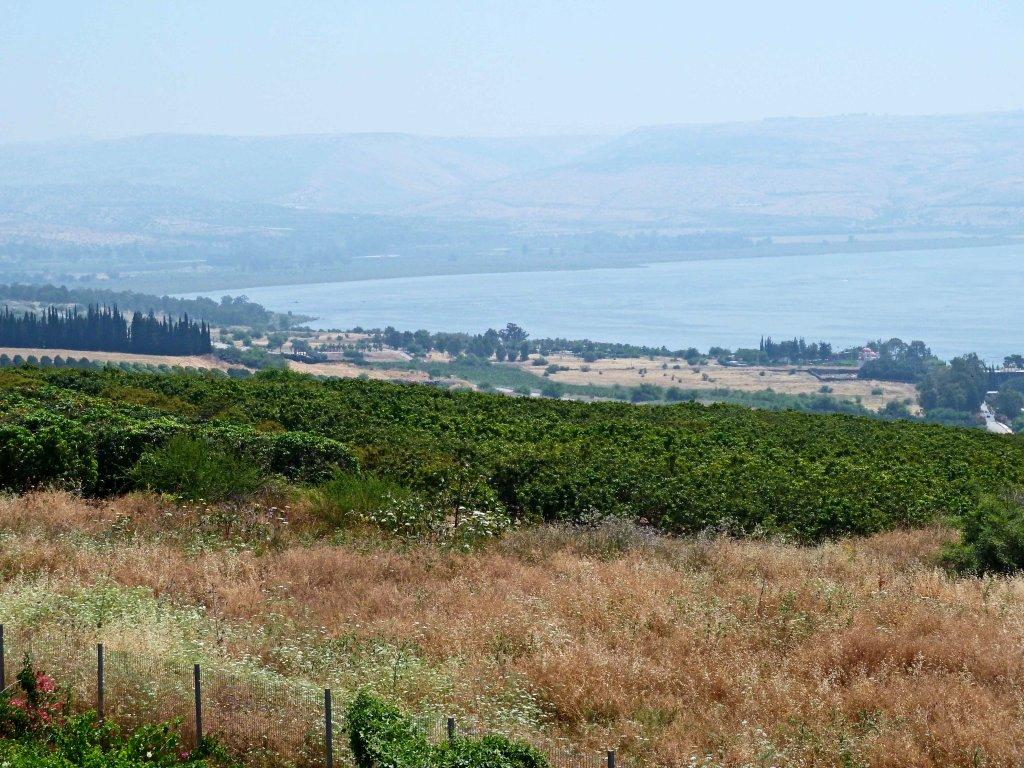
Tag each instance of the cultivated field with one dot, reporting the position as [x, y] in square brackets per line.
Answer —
[340, 370]
[344, 370]
[194, 361]
[627, 372]
[631, 372]
[679, 652]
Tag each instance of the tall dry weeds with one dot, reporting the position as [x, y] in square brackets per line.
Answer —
[678, 652]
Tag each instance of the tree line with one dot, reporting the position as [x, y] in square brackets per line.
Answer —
[229, 310]
[106, 329]
[513, 343]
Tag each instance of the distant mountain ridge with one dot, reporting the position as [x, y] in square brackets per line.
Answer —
[948, 172]
[350, 173]
[870, 171]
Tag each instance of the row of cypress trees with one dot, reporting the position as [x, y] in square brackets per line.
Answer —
[106, 329]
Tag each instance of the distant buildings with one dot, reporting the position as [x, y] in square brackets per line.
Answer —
[866, 354]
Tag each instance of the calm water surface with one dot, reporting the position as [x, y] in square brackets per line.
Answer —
[957, 300]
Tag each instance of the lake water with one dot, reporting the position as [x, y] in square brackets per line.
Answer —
[957, 300]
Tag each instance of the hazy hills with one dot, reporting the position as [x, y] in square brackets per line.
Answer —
[840, 173]
[845, 172]
[190, 211]
[355, 173]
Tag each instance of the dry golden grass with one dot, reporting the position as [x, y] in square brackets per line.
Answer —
[858, 652]
[631, 372]
[195, 361]
[343, 370]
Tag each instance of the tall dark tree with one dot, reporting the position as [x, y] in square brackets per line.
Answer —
[103, 328]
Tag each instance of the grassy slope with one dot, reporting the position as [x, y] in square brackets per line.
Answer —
[753, 653]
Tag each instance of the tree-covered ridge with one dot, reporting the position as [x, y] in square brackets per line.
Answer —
[683, 468]
[228, 311]
[104, 329]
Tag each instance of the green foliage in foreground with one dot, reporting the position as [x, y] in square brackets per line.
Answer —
[381, 736]
[992, 539]
[37, 731]
[81, 742]
[683, 468]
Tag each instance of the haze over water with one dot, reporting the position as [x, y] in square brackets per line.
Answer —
[957, 300]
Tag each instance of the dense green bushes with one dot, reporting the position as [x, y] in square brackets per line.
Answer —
[46, 448]
[992, 537]
[99, 446]
[381, 736]
[684, 467]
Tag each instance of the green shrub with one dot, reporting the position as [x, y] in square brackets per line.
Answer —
[45, 449]
[992, 537]
[381, 736]
[488, 752]
[552, 389]
[296, 455]
[355, 496]
[82, 741]
[30, 706]
[196, 469]
[37, 730]
[309, 458]
[646, 393]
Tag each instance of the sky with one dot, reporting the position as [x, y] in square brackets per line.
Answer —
[104, 69]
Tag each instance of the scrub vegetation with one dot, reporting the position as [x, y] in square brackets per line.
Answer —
[688, 585]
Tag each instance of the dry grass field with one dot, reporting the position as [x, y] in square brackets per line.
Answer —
[710, 652]
[344, 370]
[627, 372]
[338, 369]
[631, 372]
[195, 361]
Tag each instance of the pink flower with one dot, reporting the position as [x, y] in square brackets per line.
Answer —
[45, 683]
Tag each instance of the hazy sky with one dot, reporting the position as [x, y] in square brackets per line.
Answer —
[498, 68]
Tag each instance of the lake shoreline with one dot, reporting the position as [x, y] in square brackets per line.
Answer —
[606, 261]
[956, 300]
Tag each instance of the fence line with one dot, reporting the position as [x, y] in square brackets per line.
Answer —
[264, 724]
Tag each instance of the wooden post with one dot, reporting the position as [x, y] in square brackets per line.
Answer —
[99, 682]
[328, 730]
[611, 758]
[3, 664]
[198, 685]
[451, 729]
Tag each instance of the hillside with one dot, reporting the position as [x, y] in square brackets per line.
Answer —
[711, 586]
[865, 171]
[684, 468]
[196, 211]
[349, 173]
[831, 174]
[708, 652]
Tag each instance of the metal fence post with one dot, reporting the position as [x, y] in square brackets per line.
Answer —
[198, 686]
[328, 730]
[611, 758]
[451, 729]
[3, 663]
[99, 682]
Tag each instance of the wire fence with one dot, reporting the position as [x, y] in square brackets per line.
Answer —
[265, 720]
